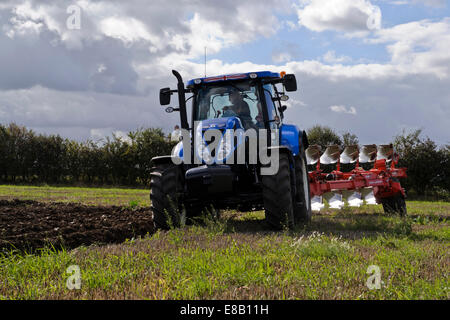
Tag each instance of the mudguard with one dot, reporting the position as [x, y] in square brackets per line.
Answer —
[162, 160]
[291, 137]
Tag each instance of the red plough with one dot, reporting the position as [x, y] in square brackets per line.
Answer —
[378, 185]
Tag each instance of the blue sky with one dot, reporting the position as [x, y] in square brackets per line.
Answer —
[370, 67]
[311, 45]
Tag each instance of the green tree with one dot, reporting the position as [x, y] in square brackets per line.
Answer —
[4, 155]
[428, 166]
[30, 157]
[349, 139]
[323, 136]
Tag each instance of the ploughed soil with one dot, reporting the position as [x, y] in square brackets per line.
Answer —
[29, 225]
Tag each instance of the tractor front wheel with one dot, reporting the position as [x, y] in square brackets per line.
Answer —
[166, 185]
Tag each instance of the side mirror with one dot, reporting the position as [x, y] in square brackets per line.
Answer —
[164, 96]
[290, 82]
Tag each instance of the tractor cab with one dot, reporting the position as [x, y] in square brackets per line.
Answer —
[253, 98]
[237, 102]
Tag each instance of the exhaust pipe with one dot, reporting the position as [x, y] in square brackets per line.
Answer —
[181, 100]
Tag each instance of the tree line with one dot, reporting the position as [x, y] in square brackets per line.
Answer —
[28, 157]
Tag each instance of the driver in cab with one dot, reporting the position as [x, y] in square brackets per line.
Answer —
[239, 108]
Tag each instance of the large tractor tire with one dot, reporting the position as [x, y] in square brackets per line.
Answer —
[302, 205]
[166, 185]
[278, 196]
[394, 205]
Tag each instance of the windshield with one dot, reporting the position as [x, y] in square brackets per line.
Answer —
[230, 100]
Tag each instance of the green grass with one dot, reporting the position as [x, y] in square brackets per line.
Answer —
[236, 257]
[90, 196]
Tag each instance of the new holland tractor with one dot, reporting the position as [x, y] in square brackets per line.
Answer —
[237, 152]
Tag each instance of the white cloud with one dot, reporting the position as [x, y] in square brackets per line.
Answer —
[399, 2]
[339, 15]
[106, 76]
[280, 57]
[78, 113]
[127, 29]
[330, 57]
[419, 46]
[125, 37]
[343, 109]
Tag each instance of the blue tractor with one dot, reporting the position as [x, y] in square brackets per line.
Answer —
[190, 180]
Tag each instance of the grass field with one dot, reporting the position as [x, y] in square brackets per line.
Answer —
[237, 257]
[92, 196]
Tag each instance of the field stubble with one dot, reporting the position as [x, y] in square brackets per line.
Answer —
[235, 257]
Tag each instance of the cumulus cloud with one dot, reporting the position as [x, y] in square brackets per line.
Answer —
[124, 36]
[330, 57]
[51, 110]
[105, 77]
[339, 15]
[343, 109]
[419, 46]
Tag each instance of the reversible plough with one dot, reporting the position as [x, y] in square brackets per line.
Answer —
[378, 185]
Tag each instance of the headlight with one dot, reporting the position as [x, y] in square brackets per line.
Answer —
[177, 153]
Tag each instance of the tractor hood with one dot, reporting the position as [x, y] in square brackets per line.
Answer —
[225, 150]
[221, 123]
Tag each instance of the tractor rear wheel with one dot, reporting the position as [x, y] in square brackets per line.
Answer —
[278, 197]
[302, 206]
[166, 185]
[394, 205]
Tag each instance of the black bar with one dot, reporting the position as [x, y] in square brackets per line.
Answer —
[218, 309]
[182, 100]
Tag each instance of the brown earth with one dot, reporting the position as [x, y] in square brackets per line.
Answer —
[29, 225]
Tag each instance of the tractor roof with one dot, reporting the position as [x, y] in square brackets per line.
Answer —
[235, 76]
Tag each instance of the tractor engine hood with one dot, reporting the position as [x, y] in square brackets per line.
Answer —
[226, 147]
[221, 123]
[224, 150]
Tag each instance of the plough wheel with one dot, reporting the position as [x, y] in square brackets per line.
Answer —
[394, 205]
